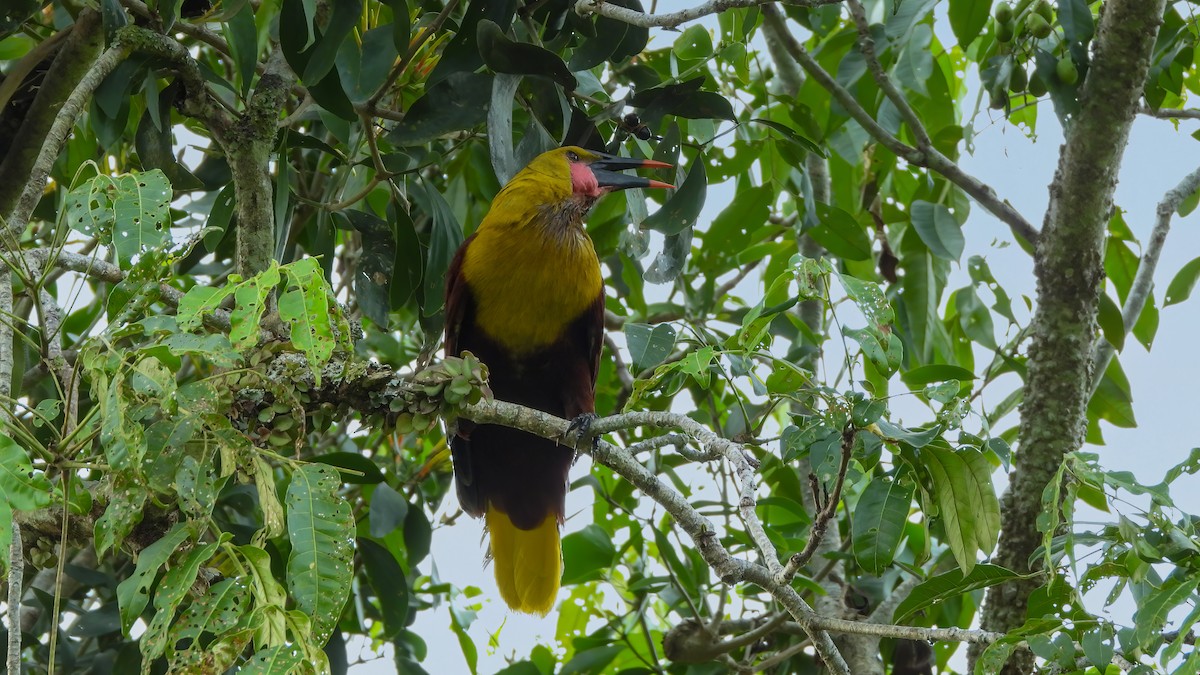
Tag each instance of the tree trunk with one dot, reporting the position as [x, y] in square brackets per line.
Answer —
[1069, 268]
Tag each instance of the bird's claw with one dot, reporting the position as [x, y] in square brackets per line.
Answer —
[581, 428]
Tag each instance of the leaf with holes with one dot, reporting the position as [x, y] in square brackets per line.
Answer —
[321, 530]
[170, 592]
[129, 211]
[134, 592]
[20, 487]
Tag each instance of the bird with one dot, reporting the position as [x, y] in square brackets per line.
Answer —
[525, 295]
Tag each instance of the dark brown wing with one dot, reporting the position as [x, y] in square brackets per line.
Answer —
[460, 309]
[458, 300]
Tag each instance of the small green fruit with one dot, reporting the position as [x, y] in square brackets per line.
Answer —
[1043, 8]
[1018, 79]
[1038, 26]
[1005, 31]
[1037, 87]
[1066, 71]
[999, 101]
[1004, 13]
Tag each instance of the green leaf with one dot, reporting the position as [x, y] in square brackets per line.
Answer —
[388, 511]
[321, 57]
[840, 233]
[134, 592]
[273, 660]
[938, 229]
[684, 205]
[243, 42]
[1111, 322]
[387, 579]
[21, 488]
[793, 136]
[359, 469]
[935, 373]
[444, 239]
[503, 55]
[215, 612]
[418, 535]
[364, 68]
[915, 438]
[170, 592]
[693, 43]
[1181, 286]
[586, 555]
[309, 309]
[967, 19]
[458, 103]
[966, 501]
[1076, 20]
[129, 211]
[974, 317]
[1154, 607]
[949, 585]
[321, 529]
[878, 523]
[649, 345]
[591, 660]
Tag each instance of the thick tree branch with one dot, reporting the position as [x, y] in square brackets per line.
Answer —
[674, 19]
[1069, 268]
[1143, 281]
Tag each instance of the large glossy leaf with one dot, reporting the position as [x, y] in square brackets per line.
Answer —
[1182, 283]
[458, 103]
[320, 528]
[840, 233]
[518, 58]
[938, 229]
[684, 205]
[967, 19]
[586, 555]
[374, 274]
[391, 588]
[950, 585]
[649, 345]
[134, 592]
[878, 523]
[967, 502]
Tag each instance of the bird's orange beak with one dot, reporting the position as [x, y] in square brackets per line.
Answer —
[606, 167]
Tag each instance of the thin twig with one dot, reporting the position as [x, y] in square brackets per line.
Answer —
[825, 513]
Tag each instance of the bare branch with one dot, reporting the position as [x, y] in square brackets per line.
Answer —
[1170, 113]
[1143, 281]
[673, 19]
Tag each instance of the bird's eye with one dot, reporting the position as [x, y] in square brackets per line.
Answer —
[572, 155]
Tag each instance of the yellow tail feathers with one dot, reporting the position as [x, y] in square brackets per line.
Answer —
[528, 562]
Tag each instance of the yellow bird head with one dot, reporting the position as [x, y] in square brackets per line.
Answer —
[568, 181]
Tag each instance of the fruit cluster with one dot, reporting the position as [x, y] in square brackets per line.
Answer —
[439, 390]
[1019, 31]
